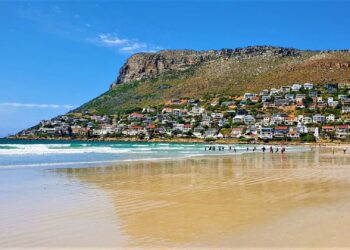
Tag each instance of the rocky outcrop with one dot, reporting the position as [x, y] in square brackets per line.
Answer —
[147, 65]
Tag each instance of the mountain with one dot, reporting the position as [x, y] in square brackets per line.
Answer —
[149, 79]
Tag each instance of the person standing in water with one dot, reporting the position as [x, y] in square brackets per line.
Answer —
[263, 149]
[283, 150]
[277, 150]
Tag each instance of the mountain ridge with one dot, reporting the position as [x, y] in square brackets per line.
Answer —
[146, 65]
[150, 79]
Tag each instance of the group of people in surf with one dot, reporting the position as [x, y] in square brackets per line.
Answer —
[263, 149]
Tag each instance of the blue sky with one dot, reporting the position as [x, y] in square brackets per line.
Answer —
[58, 55]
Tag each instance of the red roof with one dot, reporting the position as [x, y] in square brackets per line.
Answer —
[187, 126]
[343, 126]
[151, 126]
[136, 115]
[136, 127]
[281, 127]
[327, 127]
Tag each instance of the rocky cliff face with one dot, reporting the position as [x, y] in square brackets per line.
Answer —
[215, 73]
[147, 65]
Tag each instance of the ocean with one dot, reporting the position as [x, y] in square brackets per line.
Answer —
[78, 194]
[44, 153]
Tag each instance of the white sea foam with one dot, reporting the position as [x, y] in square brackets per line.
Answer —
[18, 155]
[42, 149]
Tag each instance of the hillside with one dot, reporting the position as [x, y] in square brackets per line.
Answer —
[149, 79]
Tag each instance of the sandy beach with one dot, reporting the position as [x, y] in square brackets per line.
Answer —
[295, 200]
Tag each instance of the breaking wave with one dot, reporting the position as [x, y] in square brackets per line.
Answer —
[60, 153]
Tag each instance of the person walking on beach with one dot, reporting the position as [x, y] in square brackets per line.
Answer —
[277, 150]
[344, 150]
[271, 149]
[234, 149]
[247, 149]
[254, 149]
[283, 150]
[263, 149]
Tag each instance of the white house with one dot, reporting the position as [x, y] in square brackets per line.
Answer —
[249, 119]
[318, 118]
[345, 110]
[308, 86]
[197, 111]
[330, 118]
[249, 95]
[266, 133]
[296, 87]
[274, 91]
[217, 115]
[307, 120]
[302, 128]
[285, 89]
[238, 119]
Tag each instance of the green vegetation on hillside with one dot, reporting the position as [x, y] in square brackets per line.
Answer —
[221, 78]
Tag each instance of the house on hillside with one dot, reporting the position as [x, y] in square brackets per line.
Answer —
[331, 88]
[342, 131]
[296, 87]
[266, 133]
[237, 132]
[280, 131]
[328, 128]
[249, 119]
[293, 135]
[318, 118]
[308, 86]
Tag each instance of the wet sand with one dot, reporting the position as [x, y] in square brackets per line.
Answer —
[258, 200]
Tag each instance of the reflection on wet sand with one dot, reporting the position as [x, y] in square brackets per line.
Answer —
[224, 201]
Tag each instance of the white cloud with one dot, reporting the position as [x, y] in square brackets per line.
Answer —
[133, 47]
[125, 45]
[34, 105]
[110, 40]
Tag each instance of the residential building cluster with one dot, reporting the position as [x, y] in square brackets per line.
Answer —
[304, 112]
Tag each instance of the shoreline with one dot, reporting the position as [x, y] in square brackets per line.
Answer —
[186, 140]
[161, 140]
[205, 154]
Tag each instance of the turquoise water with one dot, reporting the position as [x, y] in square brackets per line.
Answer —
[41, 153]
